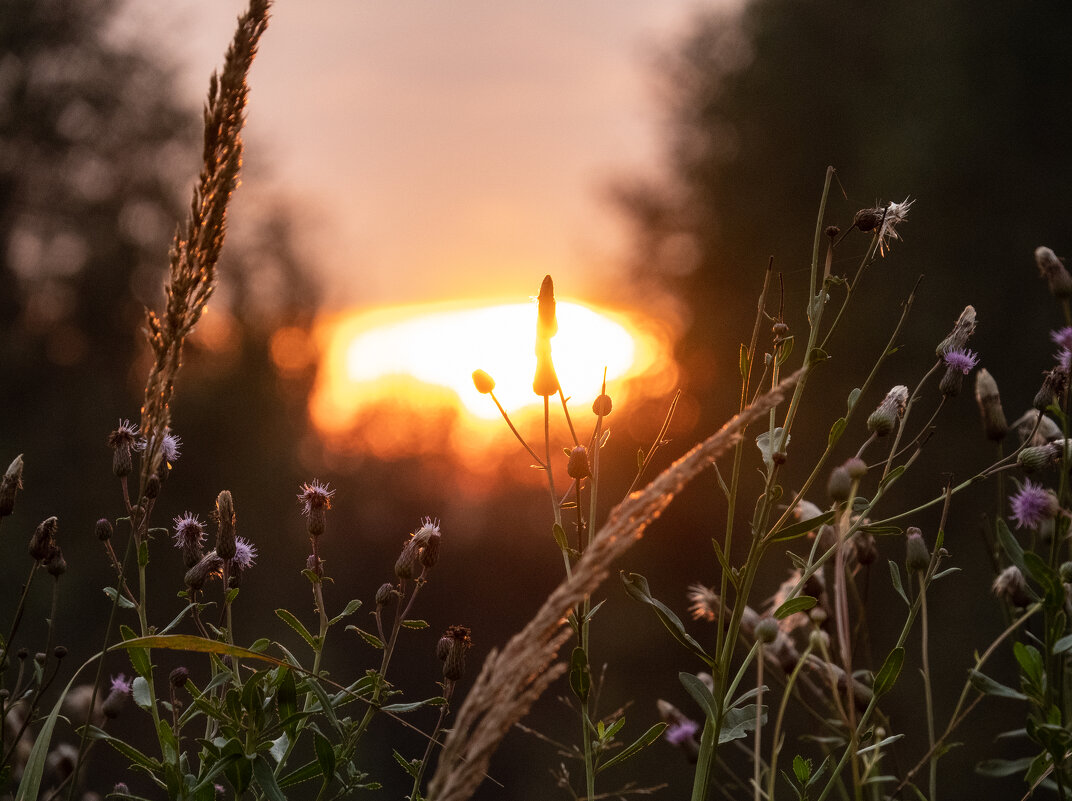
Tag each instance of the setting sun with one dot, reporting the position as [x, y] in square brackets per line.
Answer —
[421, 359]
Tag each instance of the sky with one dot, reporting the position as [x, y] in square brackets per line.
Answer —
[441, 150]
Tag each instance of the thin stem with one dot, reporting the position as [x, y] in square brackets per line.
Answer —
[757, 794]
[517, 434]
[927, 693]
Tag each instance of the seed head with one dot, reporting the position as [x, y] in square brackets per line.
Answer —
[1053, 270]
[577, 467]
[990, 412]
[315, 501]
[483, 382]
[867, 220]
[883, 420]
[10, 484]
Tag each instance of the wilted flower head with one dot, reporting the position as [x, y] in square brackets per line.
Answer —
[1054, 382]
[1010, 585]
[43, 539]
[1053, 270]
[426, 538]
[225, 519]
[451, 649]
[885, 417]
[1033, 504]
[990, 411]
[703, 602]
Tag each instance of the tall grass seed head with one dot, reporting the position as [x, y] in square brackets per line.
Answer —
[225, 520]
[483, 382]
[10, 484]
[1033, 504]
[1053, 386]
[958, 338]
[917, 556]
[124, 441]
[315, 501]
[577, 467]
[884, 419]
[1053, 270]
[1011, 586]
[43, 539]
[990, 411]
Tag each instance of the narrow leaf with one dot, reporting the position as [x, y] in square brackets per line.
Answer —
[399, 709]
[988, 686]
[889, 672]
[262, 772]
[799, 604]
[700, 694]
[637, 587]
[895, 579]
[287, 617]
[642, 742]
[801, 528]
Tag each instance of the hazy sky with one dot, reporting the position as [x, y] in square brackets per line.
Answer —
[443, 149]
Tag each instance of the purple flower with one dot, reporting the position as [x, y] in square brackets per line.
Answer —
[245, 554]
[315, 496]
[120, 684]
[1032, 504]
[171, 448]
[189, 531]
[125, 435]
[682, 730]
[962, 360]
[1063, 337]
[1064, 359]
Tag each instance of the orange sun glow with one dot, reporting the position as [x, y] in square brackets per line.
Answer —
[419, 360]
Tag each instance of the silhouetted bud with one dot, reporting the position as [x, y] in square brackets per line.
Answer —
[869, 219]
[602, 405]
[43, 540]
[546, 319]
[545, 382]
[178, 677]
[1053, 385]
[197, 575]
[451, 648]
[883, 420]
[917, 557]
[577, 467]
[990, 412]
[152, 487]
[10, 484]
[832, 231]
[103, 529]
[430, 550]
[56, 565]
[483, 382]
[59, 651]
[864, 547]
[1051, 268]
[225, 533]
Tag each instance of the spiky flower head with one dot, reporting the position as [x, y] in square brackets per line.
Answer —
[1053, 270]
[885, 417]
[963, 361]
[990, 411]
[189, 538]
[245, 554]
[124, 440]
[315, 501]
[1062, 337]
[119, 691]
[120, 684]
[171, 447]
[1033, 504]
[703, 602]
[426, 538]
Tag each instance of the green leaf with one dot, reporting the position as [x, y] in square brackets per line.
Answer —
[892, 476]
[799, 604]
[836, 431]
[795, 530]
[1063, 645]
[637, 587]
[416, 625]
[143, 553]
[987, 686]
[325, 755]
[560, 536]
[895, 579]
[288, 617]
[738, 722]
[400, 709]
[817, 354]
[639, 744]
[801, 766]
[1030, 661]
[122, 600]
[350, 608]
[785, 351]
[1003, 767]
[1047, 578]
[139, 657]
[411, 766]
[286, 696]
[890, 671]
[700, 694]
[723, 561]
[262, 771]
[1010, 545]
[279, 747]
[371, 639]
[130, 752]
[853, 397]
[579, 678]
[140, 692]
[613, 729]
[875, 746]
[310, 770]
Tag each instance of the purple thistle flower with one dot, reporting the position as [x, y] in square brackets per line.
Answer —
[171, 447]
[315, 496]
[1064, 359]
[962, 360]
[189, 531]
[1063, 337]
[121, 685]
[682, 730]
[1032, 504]
[245, 554]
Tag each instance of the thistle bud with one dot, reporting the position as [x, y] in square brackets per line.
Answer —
[602, 405]
[451, 649]
[869, 219]
[103, 529]
[839, 486]
[385, 594]
[430, 549]
[917, 557]
[152, 487]
[483, 382]
[990, 412]
[406, 564]
[1011, 586]
[1051, 268]
[1038, 458]
[885, 417]
[951, 382]
[1053, 385]
[961, 333]
[864, 547]
[767, 630]
[546, 319]
[43, 540]
[577, 467]
[225, 533]
[210, 564]
[56, 565]
[178, 677]
[10, 484]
